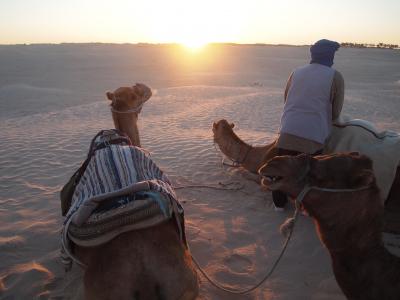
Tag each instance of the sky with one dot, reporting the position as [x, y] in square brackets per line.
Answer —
[196, 22]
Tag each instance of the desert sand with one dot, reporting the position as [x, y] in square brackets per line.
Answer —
[234, 234]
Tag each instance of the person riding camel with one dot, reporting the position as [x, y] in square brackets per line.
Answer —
[313, 99]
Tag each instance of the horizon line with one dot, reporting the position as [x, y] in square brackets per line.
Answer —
[371, 45]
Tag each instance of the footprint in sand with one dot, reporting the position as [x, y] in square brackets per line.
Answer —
[238, 263]
[32, 275]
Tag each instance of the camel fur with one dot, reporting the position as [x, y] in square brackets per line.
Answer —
[349, 224]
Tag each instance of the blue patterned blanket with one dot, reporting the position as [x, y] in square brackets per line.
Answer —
[116, 167]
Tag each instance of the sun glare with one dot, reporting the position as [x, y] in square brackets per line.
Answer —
[195, 23]
[194, 45]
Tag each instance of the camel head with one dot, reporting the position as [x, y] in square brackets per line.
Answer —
[221, 129]
[335, 171]
[290, 174]
[336, 212]
[132, 98]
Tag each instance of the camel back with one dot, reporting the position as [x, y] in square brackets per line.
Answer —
[361, 136]
[112, 167]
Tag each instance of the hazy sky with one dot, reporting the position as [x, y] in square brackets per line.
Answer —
[199, 21]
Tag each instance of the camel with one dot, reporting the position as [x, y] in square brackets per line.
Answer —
[126, 104]
[252, 158]
[249, 157]
[150, 263]
[348, 222]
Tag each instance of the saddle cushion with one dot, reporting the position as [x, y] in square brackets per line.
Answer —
[361, 136]
[113, 168]
[104, 225]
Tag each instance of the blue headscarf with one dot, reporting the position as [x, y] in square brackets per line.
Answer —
[323, 52]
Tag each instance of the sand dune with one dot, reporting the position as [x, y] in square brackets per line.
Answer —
[234, 234]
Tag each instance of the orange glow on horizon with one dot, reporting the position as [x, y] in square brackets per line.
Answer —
[194, 46]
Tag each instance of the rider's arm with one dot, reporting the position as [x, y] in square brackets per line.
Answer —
[288, 83]
[337, 94]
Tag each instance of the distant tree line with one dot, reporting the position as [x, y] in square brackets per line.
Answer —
[365, 45]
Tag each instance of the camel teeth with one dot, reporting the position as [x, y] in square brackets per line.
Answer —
[269, 178]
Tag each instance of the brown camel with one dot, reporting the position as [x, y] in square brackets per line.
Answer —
[252, 158]
[126, 104]
[150, 263]
[249, 157]
[349, 223]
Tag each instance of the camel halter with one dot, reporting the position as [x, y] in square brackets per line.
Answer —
[238, 162]
[300, 197]
[136, 109]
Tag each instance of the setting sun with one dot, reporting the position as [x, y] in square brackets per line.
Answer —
[195, 24]
[194, 45]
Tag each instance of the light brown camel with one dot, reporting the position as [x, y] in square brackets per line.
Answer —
[145, 264]
[252, 158]
[126, 104]
[249, 157]
[349, 223]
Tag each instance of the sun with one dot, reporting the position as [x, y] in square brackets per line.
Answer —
[195, 24]
[194, 45]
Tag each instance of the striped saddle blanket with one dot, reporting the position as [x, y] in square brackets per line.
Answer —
[121, 189]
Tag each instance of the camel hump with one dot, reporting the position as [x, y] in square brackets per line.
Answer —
[369, 126]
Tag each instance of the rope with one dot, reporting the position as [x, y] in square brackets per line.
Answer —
[220, 186]
[248, 290]
[202, 271]
[133, 110]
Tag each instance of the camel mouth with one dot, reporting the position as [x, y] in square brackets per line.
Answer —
[270, 181]
[270, 176]
[214, 127]
[215, 131]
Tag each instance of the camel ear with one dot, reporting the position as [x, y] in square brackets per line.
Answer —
[232, 125]
[110, 96]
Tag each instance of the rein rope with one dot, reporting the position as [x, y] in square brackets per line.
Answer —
[229, 186]
[299, 200]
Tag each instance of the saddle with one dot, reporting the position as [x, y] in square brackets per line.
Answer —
[117, 189]
[382, 147]
[342, 122]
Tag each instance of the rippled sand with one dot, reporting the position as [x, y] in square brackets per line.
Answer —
[234, 234]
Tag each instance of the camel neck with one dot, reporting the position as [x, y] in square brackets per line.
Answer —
[127, 123]
[235, 149]
[365, 235]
